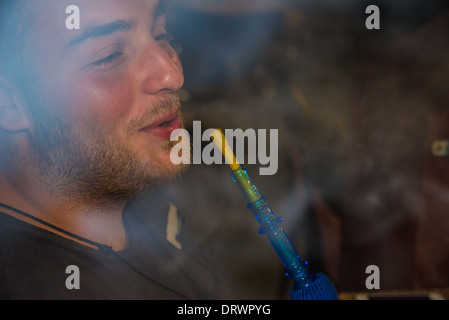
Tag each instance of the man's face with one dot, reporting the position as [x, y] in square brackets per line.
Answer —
[104, 97]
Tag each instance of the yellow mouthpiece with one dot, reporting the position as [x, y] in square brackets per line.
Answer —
[220, 141]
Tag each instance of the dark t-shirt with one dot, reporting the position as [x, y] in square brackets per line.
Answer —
[33, 264]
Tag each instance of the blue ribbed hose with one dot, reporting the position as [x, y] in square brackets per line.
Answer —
[306, 285]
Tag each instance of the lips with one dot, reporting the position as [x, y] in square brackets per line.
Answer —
[164, 126]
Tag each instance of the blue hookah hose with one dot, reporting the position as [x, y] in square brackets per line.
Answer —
[306, 285]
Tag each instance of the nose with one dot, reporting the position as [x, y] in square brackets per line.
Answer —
[162, 69]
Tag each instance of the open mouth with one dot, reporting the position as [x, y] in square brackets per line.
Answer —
[163, 128]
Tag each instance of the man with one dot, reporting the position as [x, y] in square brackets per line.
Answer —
[85, 121]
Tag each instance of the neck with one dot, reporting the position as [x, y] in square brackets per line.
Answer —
[99, 224]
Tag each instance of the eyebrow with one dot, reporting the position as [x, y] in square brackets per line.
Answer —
[102, 31]
[116, 26]
[159, 9]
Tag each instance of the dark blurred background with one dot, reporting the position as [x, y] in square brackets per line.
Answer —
[358, 112]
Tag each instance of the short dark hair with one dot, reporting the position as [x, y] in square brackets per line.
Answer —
[14, 27]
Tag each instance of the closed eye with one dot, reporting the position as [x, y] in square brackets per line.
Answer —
[108, 59]
[165, 36]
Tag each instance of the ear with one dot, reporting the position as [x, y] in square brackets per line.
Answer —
[13, 115]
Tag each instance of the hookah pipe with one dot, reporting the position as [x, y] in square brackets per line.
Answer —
[306, 285]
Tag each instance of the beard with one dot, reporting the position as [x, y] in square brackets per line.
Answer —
[90, 168]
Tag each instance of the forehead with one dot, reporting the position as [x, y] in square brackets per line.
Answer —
[55, 10]
[48, 19]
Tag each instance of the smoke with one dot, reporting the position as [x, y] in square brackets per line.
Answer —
[351, 106]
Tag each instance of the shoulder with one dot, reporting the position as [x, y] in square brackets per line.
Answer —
[33, 261]
[185, 250]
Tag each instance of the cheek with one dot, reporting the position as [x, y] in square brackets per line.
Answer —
[98, 99]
